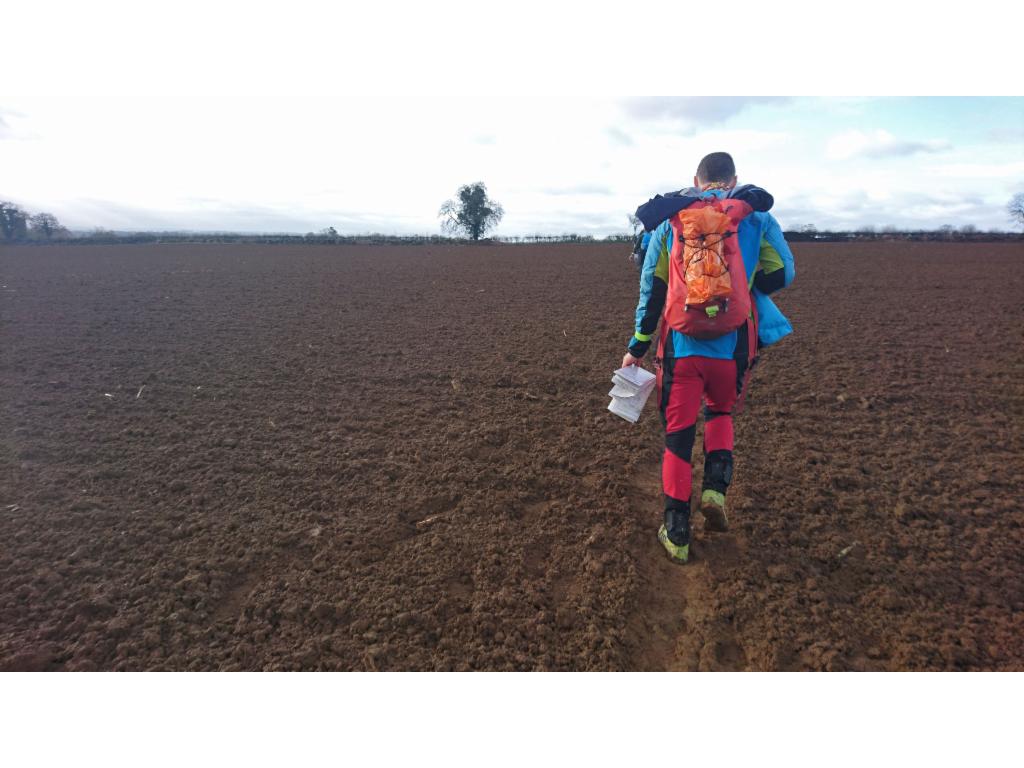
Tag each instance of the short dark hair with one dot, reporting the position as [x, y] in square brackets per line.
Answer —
[718, 166]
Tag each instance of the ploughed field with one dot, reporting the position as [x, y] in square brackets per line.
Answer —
[245, 457]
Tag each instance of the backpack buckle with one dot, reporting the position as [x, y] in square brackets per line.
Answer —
[713, 310]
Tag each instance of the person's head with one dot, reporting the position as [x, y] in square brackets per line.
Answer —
[716, 169]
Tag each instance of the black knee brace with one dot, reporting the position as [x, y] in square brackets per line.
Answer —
[717, 470]
[677, 521]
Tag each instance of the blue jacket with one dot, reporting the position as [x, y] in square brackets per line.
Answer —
[768, 261]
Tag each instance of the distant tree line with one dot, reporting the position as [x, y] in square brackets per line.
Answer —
[20, 226]
[946, 233]
[328, 236]
[564, 238]
[108, 237]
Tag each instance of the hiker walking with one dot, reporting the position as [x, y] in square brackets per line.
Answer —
[715, 255]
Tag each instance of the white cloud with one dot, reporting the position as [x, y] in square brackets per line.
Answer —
[579, 189]
[619, 136]
[980, 170]
[1006, 134]
[12, 125]
[687, 113]
[905, 209]
[878, 144]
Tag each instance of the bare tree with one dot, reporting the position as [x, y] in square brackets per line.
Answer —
[1016, 209]
[470, 211]
[46, 226]
[13, 221]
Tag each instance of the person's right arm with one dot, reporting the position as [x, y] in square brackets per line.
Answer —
[653, 288]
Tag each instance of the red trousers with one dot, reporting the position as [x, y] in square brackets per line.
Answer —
[685, 382]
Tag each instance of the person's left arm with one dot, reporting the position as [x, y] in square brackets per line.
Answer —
[776, 267]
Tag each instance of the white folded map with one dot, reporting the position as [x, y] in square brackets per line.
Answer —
[633, 386]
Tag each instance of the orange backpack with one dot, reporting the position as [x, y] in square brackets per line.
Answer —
[708, 293]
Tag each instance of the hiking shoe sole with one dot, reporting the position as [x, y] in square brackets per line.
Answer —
[712, 506]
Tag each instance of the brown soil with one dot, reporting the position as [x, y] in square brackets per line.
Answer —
[400, 458]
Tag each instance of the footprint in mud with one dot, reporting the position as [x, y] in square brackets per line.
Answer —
[535, 511]
[658, 623]
[535, 558]
[724, 654]
[721, 551]
[231, 603]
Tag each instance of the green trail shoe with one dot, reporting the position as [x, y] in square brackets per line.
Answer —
[712, 506]
[679, 554]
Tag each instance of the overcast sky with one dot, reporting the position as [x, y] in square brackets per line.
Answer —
[155, 135]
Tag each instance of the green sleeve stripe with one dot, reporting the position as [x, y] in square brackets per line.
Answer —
[769, 260]
[642, 336]
[661, 270]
